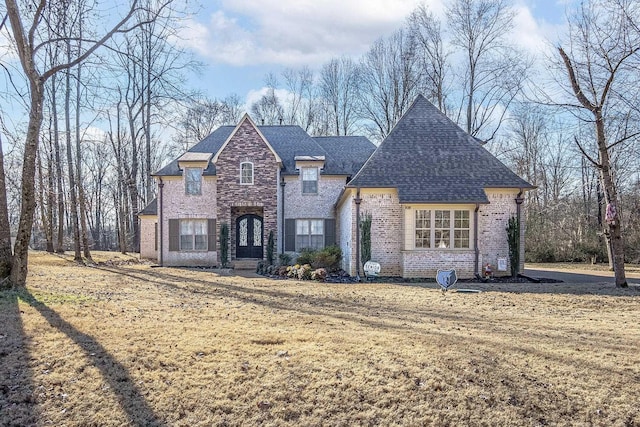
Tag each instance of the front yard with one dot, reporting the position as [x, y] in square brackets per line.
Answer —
[127, 344]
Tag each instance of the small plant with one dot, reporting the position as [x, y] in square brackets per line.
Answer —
[306, 256]
[285, 259]
[513, 238]
[224, 244]
[365, 236]
[319, 274]
[270, 248]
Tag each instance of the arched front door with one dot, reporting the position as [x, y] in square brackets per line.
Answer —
[249, 236]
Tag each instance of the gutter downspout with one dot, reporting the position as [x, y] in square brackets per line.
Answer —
[160, 239]
[282, 228]
[519, 201]
[358, 200]
[476, 264]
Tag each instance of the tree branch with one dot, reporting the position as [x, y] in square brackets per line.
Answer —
[577, 90]
[587, 156]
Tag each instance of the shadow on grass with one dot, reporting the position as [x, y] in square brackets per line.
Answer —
[375, 315]
[114, 373]
[17, 402]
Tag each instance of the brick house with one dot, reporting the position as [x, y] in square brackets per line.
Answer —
[436, 197]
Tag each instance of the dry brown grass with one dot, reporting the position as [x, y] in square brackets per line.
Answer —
[128, 344]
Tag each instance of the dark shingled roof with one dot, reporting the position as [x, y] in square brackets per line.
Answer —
[347, 154]
[430, 159]
[343, 155]
[150, 209]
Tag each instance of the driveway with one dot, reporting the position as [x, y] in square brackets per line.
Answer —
[579, 276]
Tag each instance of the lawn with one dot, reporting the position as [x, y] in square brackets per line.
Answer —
[123, 343]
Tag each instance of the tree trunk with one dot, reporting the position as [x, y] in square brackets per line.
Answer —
[612, 219]
[81, 197]
[27, 209]
[43, 208]
[73, 205]
[58, 161]
[50, 197]
[5, 232]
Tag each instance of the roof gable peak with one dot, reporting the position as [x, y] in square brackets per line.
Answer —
[247, 118]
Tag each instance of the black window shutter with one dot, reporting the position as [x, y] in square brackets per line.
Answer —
[211, 229]
[290, 235]
[329, 232]
[174, 235]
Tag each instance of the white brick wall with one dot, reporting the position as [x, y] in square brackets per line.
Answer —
[320, 205]
[148, 237]
[493, 220]
[393, 235]
[345, 232]
[426, 263]
[178, 205]
[386, 228]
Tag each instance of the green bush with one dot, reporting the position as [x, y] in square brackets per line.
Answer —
[328, 258]
[224, 244]
[306, 256]
[270, 248]
[285, 259]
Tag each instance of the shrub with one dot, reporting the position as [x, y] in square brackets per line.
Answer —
[328, 258]
[304, 272]
[224, 244]
[261, 268]
[306, 256]
[319, 274]
[513, 238]
[270, 248]
[365, 239]
[285, 259]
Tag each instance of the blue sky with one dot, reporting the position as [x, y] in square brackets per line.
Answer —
[240, 41]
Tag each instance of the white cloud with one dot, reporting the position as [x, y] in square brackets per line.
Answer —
[529, 34]
[296, 32]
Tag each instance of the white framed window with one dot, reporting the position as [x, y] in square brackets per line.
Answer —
[309, 234]
[193, 235]
[193, 181]
[246, 173]
[309, 180]
[423, 229]
[442, 229]
[461, 229]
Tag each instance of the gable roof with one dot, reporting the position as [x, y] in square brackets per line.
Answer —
[244, 119]
[150, 209]
[430, 159]
[344, 155]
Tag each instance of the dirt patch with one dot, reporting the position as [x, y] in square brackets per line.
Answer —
[127, 344]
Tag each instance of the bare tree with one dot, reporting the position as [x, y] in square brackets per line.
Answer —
[202, 117]
[390, 74]
[493, 71]
[339, 91]
[426, 31]
[301, 105]
[29, 46]
[600, 65]
[268, 110]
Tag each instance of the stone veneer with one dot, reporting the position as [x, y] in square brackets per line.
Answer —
[234, 199]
